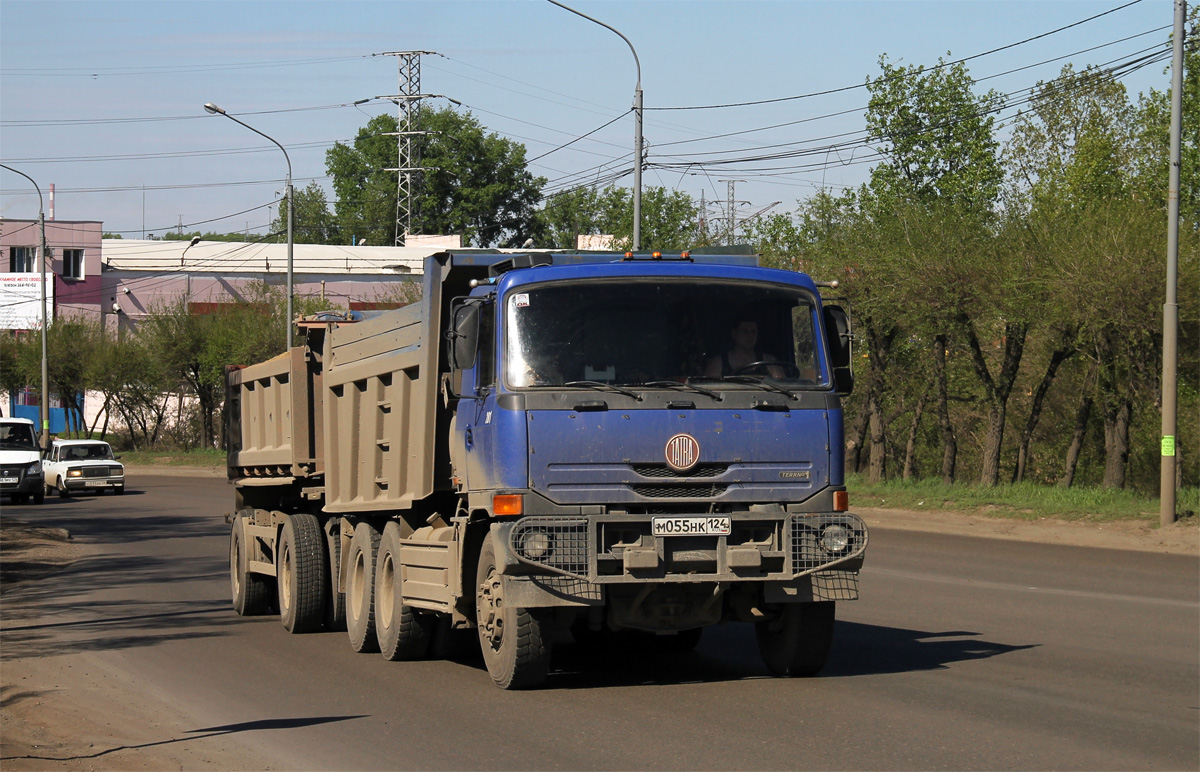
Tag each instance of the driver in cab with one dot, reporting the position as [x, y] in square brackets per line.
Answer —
[744, 353]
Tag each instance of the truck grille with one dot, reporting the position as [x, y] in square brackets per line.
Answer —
[662, 470]
[678, 491]
[808, 553]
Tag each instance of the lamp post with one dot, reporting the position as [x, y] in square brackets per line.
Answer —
[637, 134]
[45, 403]
[210, 107]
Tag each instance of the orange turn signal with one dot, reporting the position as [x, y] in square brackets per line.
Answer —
[508, 504]
[841, 501]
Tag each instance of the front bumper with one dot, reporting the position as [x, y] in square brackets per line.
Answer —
[18, 481]
[621, 549]
[79, 484]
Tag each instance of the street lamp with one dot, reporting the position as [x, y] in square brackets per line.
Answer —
[210, 107]
[637, 135]
[45, 404]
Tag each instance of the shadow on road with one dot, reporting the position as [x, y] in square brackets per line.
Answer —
[109, 626]
[200, 734]
[729, 652]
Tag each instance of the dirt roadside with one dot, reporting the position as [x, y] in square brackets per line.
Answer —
[74, 712]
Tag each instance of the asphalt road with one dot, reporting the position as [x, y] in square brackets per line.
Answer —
[963, 653]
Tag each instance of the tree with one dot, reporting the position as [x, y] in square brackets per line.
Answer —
[312, 222]
[195, 348]
[940, 176]
[669, 218]
[475, 185]
[938, 136]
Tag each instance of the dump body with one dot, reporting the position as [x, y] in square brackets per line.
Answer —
[589, 440]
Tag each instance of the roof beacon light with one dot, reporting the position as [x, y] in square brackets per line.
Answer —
[656, 255]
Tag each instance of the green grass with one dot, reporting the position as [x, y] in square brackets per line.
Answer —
[1025, 501]
[201, 457]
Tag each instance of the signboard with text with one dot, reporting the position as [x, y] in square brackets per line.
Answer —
[21, 300]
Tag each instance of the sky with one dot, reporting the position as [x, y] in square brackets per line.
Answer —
[104, 100]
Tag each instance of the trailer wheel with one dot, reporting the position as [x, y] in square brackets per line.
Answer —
[797, 643]
[335, 599]
[515, 641]
[401, 631]
[360, 589]
[251, 592]
[300, 574]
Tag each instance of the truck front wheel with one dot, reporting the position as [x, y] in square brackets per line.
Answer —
[300, 574]
[402, 632]
[251, 592]
[514, 640]
[360, 588]
[797, 642]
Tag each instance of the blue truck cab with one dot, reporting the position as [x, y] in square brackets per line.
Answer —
[633, 474]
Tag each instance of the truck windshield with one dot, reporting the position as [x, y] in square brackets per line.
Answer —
[636, 333]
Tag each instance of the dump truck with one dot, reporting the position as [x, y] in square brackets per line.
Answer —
[549, 445]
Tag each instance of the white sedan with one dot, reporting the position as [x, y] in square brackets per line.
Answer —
[83, 465]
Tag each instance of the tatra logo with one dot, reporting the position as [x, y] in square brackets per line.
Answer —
[683, 452]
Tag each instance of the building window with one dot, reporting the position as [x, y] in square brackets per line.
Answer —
[72, 264]
[22, 260]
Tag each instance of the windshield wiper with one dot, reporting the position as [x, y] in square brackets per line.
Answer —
[601, 386]
[754, 380]
[684, 387]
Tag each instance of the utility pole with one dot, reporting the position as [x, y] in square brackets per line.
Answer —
[731, 231]
[637, 127]
[408, 154]
[44, 410]
[1166, 494]
[703, 230]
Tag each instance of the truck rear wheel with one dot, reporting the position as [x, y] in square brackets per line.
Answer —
[401, 631]
[797, 643]
[300, 574]
[514, 640]
[360, 589]
[251, 592]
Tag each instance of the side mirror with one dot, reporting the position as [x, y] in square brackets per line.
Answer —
[843, 381]
[464, 339]
[837, 335]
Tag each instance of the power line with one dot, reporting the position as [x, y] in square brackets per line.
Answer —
[863, 85]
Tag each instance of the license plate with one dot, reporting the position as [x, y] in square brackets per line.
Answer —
[691, 526]
[96, 483]
[9, 480]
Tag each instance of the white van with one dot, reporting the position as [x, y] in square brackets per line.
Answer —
[21, 474]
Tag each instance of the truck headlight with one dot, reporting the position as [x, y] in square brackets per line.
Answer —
[535, 545]
[835, 538]
[35, 468]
